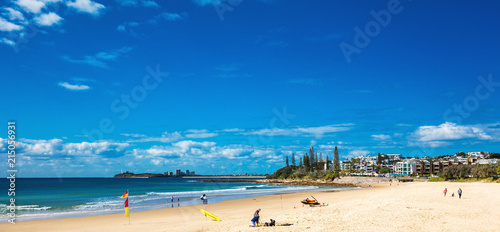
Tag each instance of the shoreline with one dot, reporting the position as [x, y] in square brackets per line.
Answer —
[138, 208]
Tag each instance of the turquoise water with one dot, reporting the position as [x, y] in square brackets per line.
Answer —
[42, 198]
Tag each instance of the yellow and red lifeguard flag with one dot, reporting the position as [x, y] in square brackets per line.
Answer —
[126, 208]
[125, 194]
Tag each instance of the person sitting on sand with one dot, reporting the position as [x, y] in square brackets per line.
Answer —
[452, 194]
[445, 191]
[272, 223]
[255, 219]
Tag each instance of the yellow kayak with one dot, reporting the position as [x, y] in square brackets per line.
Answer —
[207, 214]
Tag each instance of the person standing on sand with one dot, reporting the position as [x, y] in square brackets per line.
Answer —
[172, 201]
[204, 199]
[445, 191]
[459, 193]
[255, 219]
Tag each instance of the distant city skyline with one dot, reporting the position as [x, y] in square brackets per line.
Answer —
[233, 87]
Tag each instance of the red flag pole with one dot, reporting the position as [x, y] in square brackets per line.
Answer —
[128, 208]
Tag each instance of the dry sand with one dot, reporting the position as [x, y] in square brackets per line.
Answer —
[416, 206]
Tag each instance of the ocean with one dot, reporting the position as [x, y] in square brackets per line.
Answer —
[46, 198]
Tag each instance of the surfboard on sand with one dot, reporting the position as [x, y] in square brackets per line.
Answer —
[207, 214]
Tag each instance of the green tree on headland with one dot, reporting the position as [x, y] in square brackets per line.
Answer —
[384, 170]
[336, 161]
[311, 157]
[293, 159]
[307, 165]
[287, 161]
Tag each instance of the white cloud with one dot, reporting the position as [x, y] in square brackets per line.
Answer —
[233, 130]
[150, 4]
[134, 135]
[199, 134]
[7, 41]
[166, 16]
[86, 6]
[301, 131]
[14, 14]
[59, 157]
[2, 142]
[99, 59]
[8, 26]
[123, 27]
[381, 137]
[432, 144]
[449, 131]
[404, 124]
[164, 138]
[69, 86]
[187, 144]
[48, 19]
[32, 6]
[355, 153]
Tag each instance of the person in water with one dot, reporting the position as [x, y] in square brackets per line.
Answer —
[255, 219]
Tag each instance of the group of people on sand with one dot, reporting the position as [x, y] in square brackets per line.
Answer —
[453, 194]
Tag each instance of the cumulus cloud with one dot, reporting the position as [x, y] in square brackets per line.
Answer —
[381, 137]
[69, 86]
[32, 6]
[449, 131]
[14, 14]
[57, 147]
[8, 26]
[48, 19]
[86, 6]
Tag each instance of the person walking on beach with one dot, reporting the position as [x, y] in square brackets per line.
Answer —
[172, 199]
[204, 199]
[445, 191]
[459, 193]
[255, 219]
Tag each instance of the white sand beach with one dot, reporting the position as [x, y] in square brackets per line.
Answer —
[418, 206]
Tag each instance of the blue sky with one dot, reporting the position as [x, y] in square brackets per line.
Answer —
[235, 86]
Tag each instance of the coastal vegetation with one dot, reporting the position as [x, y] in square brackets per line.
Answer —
[478, 171]
[310, 166]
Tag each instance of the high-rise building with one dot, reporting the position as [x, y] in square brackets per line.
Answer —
[187, 172]
[177, 172]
